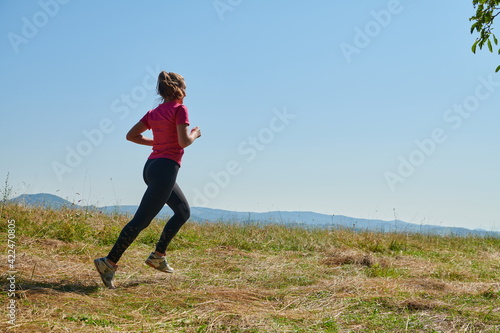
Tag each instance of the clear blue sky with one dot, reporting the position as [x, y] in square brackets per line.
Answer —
[369, 109]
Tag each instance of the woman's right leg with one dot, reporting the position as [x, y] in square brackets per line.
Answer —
[179, 205]
[160, 175]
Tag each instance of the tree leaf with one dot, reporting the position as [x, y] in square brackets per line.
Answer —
[474, 26]
[474, 46]
[490, 47]
[498, 69]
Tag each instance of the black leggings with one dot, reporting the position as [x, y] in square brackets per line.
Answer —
[160, 176]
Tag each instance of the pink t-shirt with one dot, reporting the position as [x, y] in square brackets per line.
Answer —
[163, 122]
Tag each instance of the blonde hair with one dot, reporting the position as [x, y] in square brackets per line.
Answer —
[171, 86]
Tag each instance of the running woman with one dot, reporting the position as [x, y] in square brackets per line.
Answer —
[170, 125]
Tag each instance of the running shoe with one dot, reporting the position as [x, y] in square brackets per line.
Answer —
[106, 270]
[159, 263]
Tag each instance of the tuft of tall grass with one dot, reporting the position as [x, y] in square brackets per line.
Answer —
[66, 224]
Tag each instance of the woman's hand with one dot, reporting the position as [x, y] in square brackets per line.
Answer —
[186, 137]
[196, 131]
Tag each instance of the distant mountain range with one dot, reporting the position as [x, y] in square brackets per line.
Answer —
[301, 219]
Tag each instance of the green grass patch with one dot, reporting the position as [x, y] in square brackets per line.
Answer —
[250, 278]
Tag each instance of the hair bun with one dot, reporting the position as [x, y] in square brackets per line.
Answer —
[171, 85]
[163, 76]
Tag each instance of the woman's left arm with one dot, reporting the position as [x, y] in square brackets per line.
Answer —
[135, 134]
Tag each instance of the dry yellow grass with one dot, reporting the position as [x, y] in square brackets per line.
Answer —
[233, 278]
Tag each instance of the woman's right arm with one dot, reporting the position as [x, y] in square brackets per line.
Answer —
[185, 136]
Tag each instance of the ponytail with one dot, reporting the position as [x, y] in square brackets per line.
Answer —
[171, 86]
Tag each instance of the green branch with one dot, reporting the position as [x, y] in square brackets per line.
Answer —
[486, 12]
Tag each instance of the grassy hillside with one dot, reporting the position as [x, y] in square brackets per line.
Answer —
[247, 278]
